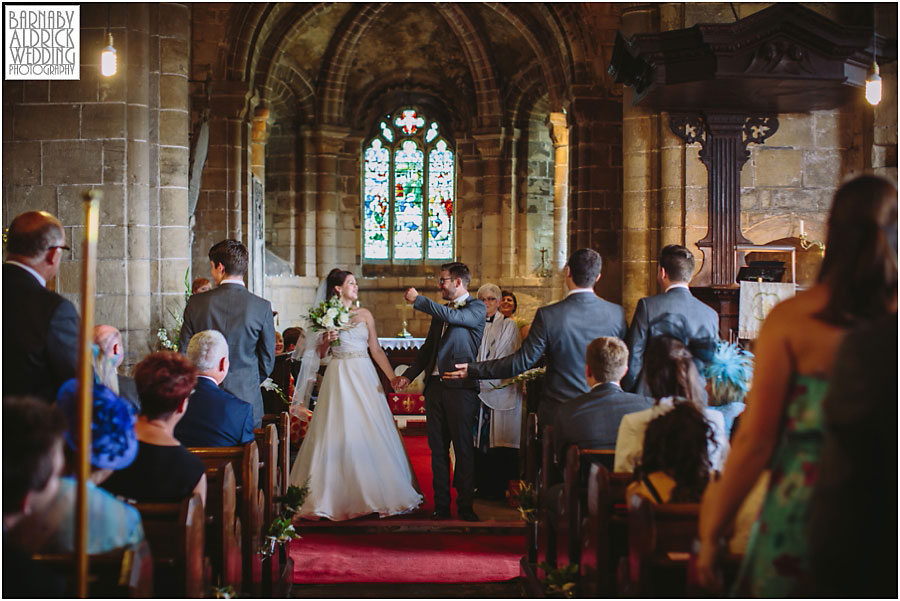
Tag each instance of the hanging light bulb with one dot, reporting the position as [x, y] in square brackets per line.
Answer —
[873, 86]
[108, 62]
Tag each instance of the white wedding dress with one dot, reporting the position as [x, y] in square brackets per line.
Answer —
[352, 452]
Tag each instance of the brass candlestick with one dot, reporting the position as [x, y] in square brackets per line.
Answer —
[404, 333]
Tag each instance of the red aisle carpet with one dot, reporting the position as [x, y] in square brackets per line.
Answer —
[322, 558]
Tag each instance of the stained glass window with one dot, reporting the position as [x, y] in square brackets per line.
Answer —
[409, 191]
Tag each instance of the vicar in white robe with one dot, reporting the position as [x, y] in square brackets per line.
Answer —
[499, 427]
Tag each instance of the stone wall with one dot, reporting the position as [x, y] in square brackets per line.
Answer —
[126, 136]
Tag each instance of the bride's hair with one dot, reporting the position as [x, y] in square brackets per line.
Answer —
[336, 277]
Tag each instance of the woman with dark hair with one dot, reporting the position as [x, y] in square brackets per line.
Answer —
[352, 457]
[163, 471]
[672, 377]
[782, 427]
[674, 463]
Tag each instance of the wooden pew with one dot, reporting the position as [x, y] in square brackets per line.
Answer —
[175, 533]
[595, 565]
[223, 535]
[267, 442]
[125, 572]
[282, 422]
[251, 500]
[660, 541]
[532, 461]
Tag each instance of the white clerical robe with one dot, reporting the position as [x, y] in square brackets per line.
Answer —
[501, 338]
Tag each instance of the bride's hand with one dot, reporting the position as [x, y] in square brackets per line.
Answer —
[399, 383]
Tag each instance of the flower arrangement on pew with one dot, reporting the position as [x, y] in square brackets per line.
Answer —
[330, 315]
[269, 385]
[525, 376]
[281, 530]
[526, 501]
[561, 581]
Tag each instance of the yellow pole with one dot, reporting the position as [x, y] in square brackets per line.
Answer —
[86, 381]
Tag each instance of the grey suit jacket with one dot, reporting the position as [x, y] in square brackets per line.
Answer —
[697, 320]
[592, 420]
[459, 344]
[562, 332]
[247, 324]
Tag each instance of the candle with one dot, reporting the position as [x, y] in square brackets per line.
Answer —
[801, 228]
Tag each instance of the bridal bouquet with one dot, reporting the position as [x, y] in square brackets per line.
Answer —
[328, 316]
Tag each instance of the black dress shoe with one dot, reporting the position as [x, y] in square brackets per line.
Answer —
[440, 514]
[467, 515]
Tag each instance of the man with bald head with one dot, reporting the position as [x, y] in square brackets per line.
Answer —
[40, 327]
[109, 340]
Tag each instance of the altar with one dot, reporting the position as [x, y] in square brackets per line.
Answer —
[407, 406]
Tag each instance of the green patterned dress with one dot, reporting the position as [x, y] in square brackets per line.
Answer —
[777, 561]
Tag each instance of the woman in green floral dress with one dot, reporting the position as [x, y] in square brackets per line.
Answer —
[781, 428]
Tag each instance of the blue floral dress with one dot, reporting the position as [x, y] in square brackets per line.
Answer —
[777, 560]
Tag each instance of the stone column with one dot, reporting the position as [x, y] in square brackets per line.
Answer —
[639, 127]
[671, 186]
[559, 133]
[305, 203]
[497, 237]
[328, 142]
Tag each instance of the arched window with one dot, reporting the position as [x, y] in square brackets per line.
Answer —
[409, 186]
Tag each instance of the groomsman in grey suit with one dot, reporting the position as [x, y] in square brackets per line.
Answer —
[592, 420]
[562, 332]
[675, 312]
[243, 318]
[451, 406]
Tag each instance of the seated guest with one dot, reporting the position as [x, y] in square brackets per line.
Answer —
[112, 523]
[294, 343]
[200, 285]
[32, 463]
[592, 420]
[672, 378]
[728, 376]
[674, 465]
[163, 471]
[107, 360]
[214, 417]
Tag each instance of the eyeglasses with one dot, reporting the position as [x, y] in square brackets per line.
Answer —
[57, 246]
[489, 298]
[442, 280]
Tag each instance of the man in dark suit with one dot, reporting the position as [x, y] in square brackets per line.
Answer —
[109, 340]
[592, 420]
[214, 417]
[562, 332]
[40, 327]
[243, 318]
[675, 313]
[451, 407]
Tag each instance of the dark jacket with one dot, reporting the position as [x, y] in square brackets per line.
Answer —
[40, 336]
[247, 324]
[693, 319]
[459, 344]
[214, 418]
[561, 332]
[592, 420]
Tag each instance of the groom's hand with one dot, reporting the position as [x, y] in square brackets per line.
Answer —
[399, 383]
[461, 373]
[411, 295]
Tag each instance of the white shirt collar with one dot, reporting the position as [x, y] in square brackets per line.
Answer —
[579, 291]
[211, 379]
[461, 299]
[678, 285]
[234, 281]
[40, 278]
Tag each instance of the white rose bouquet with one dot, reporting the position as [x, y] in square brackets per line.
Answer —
[329, 315]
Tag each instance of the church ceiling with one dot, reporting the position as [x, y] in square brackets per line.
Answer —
[307, 44]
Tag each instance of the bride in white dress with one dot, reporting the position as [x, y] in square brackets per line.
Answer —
[352, 453]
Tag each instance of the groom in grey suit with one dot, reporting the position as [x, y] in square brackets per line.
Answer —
[450, 406]
[675, 312]
[243, 318]
[562, 332]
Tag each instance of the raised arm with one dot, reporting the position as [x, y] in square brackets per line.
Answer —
[469, 316]
[636, 339]
[512, 365]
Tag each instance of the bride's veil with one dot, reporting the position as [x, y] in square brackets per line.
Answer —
[309, 368]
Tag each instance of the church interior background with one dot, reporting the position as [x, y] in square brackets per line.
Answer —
[387, 138]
